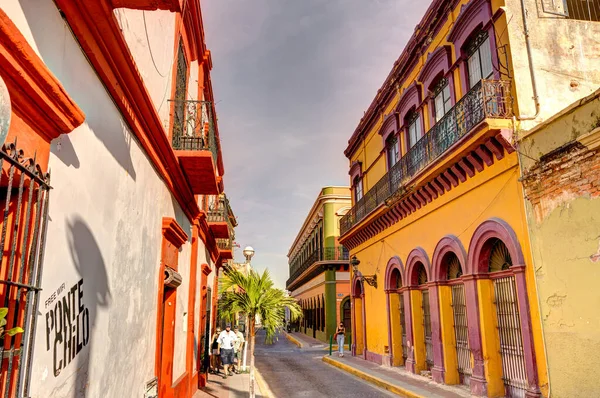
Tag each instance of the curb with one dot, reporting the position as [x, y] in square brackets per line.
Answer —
[265, 391]
[293, 340]
[372, 379]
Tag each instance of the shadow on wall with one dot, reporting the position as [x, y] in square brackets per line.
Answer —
[90, 265]
[63, 56]
[62, 148]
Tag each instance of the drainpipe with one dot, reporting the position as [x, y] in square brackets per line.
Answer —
[536, 98]
[528, 220]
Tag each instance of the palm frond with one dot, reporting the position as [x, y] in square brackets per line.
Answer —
[255, 295]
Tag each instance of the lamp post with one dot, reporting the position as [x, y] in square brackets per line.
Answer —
[248, 253]
[370, 279]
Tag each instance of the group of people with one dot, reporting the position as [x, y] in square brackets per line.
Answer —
[226, 350]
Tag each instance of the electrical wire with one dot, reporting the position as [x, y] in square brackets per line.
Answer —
[149, 47]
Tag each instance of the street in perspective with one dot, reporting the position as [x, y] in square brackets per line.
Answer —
[299, 198]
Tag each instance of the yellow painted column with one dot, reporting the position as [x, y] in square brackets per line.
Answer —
[396, 328]
[490, 341]
[418, 342]
[448, 336]
[358, 319]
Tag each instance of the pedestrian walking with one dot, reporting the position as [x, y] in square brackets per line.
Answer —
[238, 349]
[214, 352]
[226, 341]
[340, 335]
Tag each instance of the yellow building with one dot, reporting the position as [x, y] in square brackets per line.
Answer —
[444, 279]
[319, 270]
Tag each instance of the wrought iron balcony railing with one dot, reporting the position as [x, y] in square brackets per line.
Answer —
[298, 266]
[224, 244]
[193, 127]
[487, 99]
[220, 211]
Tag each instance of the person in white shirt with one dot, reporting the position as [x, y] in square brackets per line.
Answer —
[227, 340]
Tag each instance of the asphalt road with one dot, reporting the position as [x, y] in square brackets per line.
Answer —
[292, 372]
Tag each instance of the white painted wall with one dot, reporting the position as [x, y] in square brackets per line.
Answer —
[152, 46]
[106, 210]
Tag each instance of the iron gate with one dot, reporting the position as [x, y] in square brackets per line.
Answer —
[427, 329]
[24, 194]
[511, 343]
[461, 332]
[403, 325]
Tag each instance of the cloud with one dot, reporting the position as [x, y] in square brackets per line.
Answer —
[291, 80]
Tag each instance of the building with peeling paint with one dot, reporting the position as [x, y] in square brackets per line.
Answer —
[115, 222]
[444, 284]
[560, 162]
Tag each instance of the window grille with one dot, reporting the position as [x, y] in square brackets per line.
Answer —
[511, 342]
[461, 332]
[24, 190]
[583, 10]
[180, 96]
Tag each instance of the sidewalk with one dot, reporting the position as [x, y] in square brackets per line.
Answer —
[236, 386]
[396, 380]
[304, 341]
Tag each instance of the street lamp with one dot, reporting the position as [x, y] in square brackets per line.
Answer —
[370, 279]
[248, 253]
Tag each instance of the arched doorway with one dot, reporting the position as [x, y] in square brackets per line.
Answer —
[495, 254]
[395, 292]
[449, 260]
[345, 313]
[422, 357]
[359, 333]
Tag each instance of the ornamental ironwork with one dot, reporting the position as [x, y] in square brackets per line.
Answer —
[487, 99]
[194, 130]
[299, 265]
[26, 190]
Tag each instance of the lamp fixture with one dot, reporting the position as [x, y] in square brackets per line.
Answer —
[370, 279]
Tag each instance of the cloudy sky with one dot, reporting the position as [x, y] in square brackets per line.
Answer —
[292, 79]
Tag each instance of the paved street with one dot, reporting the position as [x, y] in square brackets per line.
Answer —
[293, 372]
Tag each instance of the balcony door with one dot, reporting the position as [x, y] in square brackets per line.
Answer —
[479, 61]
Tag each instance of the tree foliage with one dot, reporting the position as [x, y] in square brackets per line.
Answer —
[255, 295]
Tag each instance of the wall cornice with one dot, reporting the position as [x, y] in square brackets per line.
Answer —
[36, 95]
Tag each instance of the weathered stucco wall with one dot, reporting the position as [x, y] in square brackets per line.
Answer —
[562, 185]
[565, 58]
[104, 238]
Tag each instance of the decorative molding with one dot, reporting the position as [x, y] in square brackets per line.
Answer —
[149, 5]
[591, 140]
[36, 95]
[173, 232]
[448, 244]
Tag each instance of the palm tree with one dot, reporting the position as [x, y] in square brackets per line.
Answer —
[254, 295]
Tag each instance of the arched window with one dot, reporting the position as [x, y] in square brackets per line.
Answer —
[453, 267]
[499, 259]
[392, 150]
[358, 189]
[442, 101]
[413, 127]
[479, 58]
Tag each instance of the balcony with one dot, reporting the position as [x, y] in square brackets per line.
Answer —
[221, 220]
[225, 248]
[297, 267]
[487, 99]
[195, 145]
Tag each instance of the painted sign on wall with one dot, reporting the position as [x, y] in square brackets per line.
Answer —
[67, 325]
